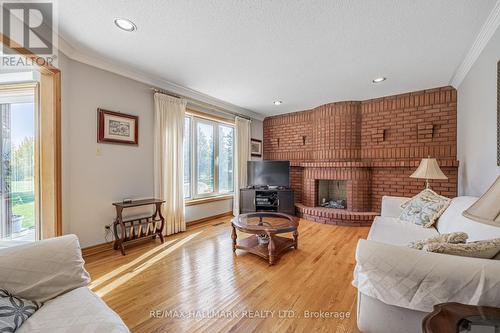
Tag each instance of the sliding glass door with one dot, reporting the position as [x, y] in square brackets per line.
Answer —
[18, 163]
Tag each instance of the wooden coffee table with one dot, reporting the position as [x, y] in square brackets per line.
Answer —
[265, 225]
[456, 317]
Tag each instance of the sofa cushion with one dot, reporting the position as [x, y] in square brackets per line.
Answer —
[425, 208]
[391, 206]
[452, 220]
[394, 231]
[79, 310]
[43, 270]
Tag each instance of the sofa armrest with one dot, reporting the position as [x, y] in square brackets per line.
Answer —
[42, 270]
[391, 206]
[418, 280]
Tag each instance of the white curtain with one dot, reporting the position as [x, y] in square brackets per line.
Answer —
[169, 159]
[241, 157]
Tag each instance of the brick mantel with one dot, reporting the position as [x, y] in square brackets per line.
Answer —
[374, 145]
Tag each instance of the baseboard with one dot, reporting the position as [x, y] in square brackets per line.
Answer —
[95, 249]
[99, 248]
[205, 219]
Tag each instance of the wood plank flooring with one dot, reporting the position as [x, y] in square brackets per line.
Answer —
[194, 283]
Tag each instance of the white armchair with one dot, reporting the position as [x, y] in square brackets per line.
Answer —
[51, 271]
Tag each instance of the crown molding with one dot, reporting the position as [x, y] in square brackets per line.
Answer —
[156, 82]
[487, 30]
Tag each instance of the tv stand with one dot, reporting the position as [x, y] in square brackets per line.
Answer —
[266, 200]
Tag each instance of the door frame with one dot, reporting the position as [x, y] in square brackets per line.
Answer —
[49, 109]
[34, 86]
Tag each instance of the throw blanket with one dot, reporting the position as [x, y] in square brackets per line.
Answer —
[418, 280]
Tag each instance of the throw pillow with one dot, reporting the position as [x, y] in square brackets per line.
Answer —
[14, 311]
[425, 208]
[485, 249]
[452, 238]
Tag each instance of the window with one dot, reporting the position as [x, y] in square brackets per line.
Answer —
[208, 158]
[187, 157]
[226, 135]
[18, 152]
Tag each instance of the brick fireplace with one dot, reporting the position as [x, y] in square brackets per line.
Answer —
[331, 193]
[370, 147]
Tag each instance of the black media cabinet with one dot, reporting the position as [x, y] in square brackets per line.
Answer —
[267, 200]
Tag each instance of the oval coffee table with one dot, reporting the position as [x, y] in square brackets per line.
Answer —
[266, 226]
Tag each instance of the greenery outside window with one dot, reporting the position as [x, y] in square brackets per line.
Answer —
[208, 158]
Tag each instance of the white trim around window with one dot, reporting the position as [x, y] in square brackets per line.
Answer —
[205, 178]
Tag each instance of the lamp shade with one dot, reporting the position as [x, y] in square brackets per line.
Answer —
[487, 208]
[428, 169]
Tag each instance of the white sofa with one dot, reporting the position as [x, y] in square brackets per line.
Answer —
[51, 271]
[398, 286]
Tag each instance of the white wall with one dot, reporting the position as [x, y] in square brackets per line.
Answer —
[95, 175]
[198, 212]
[477, 122]
[257, 132]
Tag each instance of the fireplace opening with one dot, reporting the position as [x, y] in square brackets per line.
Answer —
[332, 194]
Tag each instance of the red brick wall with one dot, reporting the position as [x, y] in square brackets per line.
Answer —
[296, 182]
[397, 182]
[331, 132]
[389, 134]
[288, 137]
[410, 126]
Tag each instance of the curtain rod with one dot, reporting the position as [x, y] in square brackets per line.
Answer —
[202, 104]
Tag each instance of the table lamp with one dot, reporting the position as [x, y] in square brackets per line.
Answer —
[428, 169]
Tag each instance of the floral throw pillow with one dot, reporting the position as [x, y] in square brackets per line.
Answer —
[14, 311]
[425, 208]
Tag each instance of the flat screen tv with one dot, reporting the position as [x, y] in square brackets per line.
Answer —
[269, 173]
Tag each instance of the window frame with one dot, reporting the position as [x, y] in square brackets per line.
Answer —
[196, 118]
[19, 92]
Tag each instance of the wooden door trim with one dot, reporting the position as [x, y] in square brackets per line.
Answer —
[50, 138]
[44, 67]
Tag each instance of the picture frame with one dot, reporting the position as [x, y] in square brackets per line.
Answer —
[256, 147]
[498, 113]
[118, 128]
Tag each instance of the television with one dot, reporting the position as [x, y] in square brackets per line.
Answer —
[268, 173]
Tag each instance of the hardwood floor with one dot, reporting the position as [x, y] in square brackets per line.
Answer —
[197, 271]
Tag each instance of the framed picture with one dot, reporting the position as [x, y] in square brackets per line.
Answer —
[116, 127]
[256, 147]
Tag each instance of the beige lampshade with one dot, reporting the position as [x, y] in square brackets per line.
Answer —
[428, 169]
[487, 208]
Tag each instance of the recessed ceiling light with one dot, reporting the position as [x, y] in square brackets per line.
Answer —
[125, 24]
[379, 79]
[278, 102]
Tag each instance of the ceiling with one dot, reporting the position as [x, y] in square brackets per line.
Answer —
[305, 53]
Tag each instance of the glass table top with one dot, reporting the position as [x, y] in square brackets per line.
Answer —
[276, 222]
